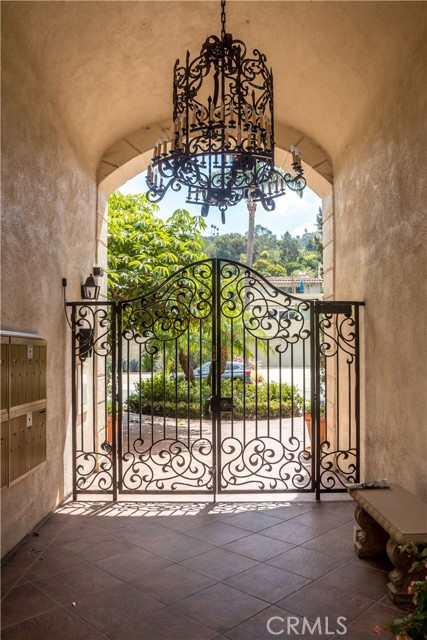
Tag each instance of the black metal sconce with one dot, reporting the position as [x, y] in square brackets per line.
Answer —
[84, 337]
[98, 271]
[90, 290]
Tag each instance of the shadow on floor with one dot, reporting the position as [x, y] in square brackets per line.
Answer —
[194, 571]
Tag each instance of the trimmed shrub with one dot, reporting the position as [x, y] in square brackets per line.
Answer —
[176, 398]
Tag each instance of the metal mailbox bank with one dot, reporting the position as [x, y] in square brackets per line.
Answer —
[23, 405]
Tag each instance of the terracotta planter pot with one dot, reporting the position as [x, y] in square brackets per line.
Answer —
[309, 429]
[110, 427]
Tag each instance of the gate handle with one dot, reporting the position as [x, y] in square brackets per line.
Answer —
[217, 404]
[226, 404]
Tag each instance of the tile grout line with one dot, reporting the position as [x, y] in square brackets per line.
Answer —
[61, 606]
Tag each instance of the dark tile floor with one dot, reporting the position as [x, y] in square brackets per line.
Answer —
[137, 571]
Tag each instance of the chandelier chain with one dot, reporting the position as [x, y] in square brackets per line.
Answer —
[222, 19]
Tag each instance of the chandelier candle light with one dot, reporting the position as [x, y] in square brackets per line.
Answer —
[222, 146]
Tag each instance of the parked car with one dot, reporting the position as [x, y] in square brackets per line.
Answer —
[234, 370]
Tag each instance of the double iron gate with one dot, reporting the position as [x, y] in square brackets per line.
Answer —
[216, 382]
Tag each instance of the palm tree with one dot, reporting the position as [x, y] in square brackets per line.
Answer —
[251, 205]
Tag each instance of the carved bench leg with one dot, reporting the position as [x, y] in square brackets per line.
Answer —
[397, 588]
[370, 539]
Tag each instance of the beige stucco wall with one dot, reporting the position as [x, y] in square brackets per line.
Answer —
[48, 232]
[380, 257]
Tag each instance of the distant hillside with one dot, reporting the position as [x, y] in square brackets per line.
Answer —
[273, 256]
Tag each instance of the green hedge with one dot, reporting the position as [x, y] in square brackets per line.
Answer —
[169, 398]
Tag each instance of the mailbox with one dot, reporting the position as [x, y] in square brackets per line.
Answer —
[15, 376]
[42, 372]
[23, 405]
[30, 443]
[27, 371]
[17, 447]
[40, 437]
[3, 449]
[4, 375]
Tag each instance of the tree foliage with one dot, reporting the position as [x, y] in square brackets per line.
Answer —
[289, 249]
[233, 246]
[143, 249]
[266, 243]
[267, 268]
[273, 256]
[229, 246]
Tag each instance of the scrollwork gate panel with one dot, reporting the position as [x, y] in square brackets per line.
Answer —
[166, 441]
[215, 382]
[94, 337]
[264, 444]
[338, 381]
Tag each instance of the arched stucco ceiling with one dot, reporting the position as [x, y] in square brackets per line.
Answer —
[106, 67]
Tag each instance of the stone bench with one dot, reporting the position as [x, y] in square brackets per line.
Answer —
[388, 518]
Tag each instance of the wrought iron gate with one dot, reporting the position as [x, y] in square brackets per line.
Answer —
[215, 382]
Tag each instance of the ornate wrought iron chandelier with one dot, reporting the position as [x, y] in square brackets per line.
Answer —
[222, 147]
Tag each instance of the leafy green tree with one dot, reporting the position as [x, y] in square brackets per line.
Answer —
[251, 206]
[143, 249]
[303, 253]
[307, 241]
[234, 246]
[209, 246]
[289, 249]
[266, 242]
[319, 234]
[267, 268]
[263, 232]
[228, 246]
[310, 261]
[311, 248]
[291, 267]
[271, 256]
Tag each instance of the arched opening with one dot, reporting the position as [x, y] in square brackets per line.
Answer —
[121, 163]
[131, 156]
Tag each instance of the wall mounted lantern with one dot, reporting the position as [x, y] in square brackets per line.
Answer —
[90, 290]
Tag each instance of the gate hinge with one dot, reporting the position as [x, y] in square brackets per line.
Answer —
[335, 307]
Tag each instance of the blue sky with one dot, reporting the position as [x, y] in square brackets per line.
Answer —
[292, 213]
